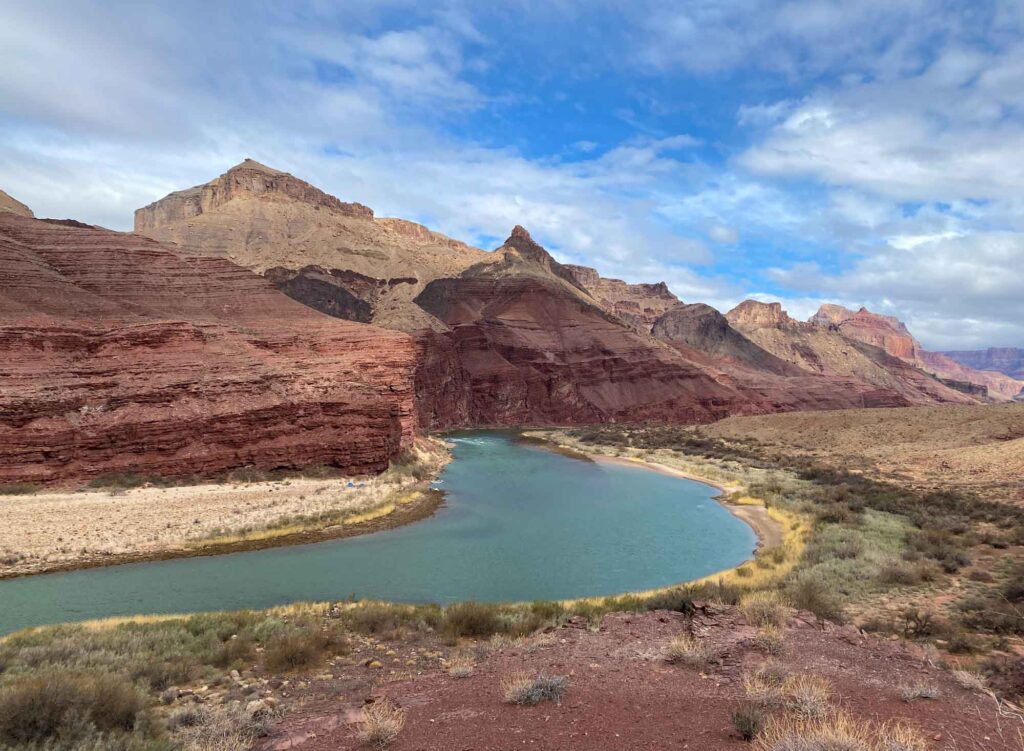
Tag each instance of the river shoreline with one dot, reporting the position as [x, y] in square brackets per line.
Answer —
[418, 502]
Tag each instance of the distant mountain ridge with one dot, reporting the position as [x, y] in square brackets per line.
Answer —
[1007, 360]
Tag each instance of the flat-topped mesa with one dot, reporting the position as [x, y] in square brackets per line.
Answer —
[248, 179]
[760, 315]
[14, 206]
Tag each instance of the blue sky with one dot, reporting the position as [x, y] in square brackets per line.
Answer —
[867, 153]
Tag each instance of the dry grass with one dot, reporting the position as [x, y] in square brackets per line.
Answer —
[918, 690]
[522, 688]
[460, 665]
[763, 609]
[771, 640]
[969, 680]
[684, 649]
[226, 728]
[382, 723]
[836, 732]
[807, 695]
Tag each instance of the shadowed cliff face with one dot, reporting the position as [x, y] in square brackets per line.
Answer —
[125, 356]
[705, 329]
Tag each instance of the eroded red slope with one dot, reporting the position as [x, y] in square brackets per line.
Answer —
[118, 354]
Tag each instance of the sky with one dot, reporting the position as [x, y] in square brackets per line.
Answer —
[864, 153]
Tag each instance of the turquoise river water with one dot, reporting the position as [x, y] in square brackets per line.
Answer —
[519, 523]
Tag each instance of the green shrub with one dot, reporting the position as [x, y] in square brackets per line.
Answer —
[808, 593]
[299, 647]
[748, 719]
[19, 488]
[39, 708]
[471, 619]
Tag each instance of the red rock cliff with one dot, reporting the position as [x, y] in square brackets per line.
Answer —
[118, 355]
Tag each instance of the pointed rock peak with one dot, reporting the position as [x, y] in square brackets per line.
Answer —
[520, 240]
[14, 206]
[252, 164]
[520, 232]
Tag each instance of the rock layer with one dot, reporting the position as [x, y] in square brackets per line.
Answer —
[891, 334]
[1006, 360]
[638, 305]
[121, 355]
[826, 350]
[13, 206]
[531, 350]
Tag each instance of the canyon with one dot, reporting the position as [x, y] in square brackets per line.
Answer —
[258, 321]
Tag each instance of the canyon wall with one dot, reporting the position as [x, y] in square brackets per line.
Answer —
[121, 355]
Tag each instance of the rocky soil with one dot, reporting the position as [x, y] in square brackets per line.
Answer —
[621, 692]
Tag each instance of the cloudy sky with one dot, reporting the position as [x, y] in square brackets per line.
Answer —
[868, 153]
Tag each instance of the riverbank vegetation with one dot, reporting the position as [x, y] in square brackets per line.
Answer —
[940, 566]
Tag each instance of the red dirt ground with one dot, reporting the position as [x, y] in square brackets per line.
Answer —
[623, 695]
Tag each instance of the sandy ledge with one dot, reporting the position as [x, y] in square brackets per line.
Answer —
[64, 531]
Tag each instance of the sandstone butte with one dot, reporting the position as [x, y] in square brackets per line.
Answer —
[258, 321]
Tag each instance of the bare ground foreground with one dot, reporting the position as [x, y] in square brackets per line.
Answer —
[622, 693]
[53, 531]
[976, 448]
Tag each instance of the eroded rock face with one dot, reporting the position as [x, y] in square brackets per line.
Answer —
[754, 314]
[886, 332]
[121, 355]
[823, 348]
[638, 305]
[13, 206]
[270, 221]
[248, 179]
[531, 350]
[705, 329]
[892, 335]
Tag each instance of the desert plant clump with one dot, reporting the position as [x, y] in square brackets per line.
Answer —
[970, 680]
[522, 688]
[472, 619]
[771, 640]
[224, 728]
[460, 665]
[292, 648]
[763, 609]
[807, 696]
[836, 731]
[748, 719]
[684, 649]
[919, 690]
[36, 709]
[382, 723]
